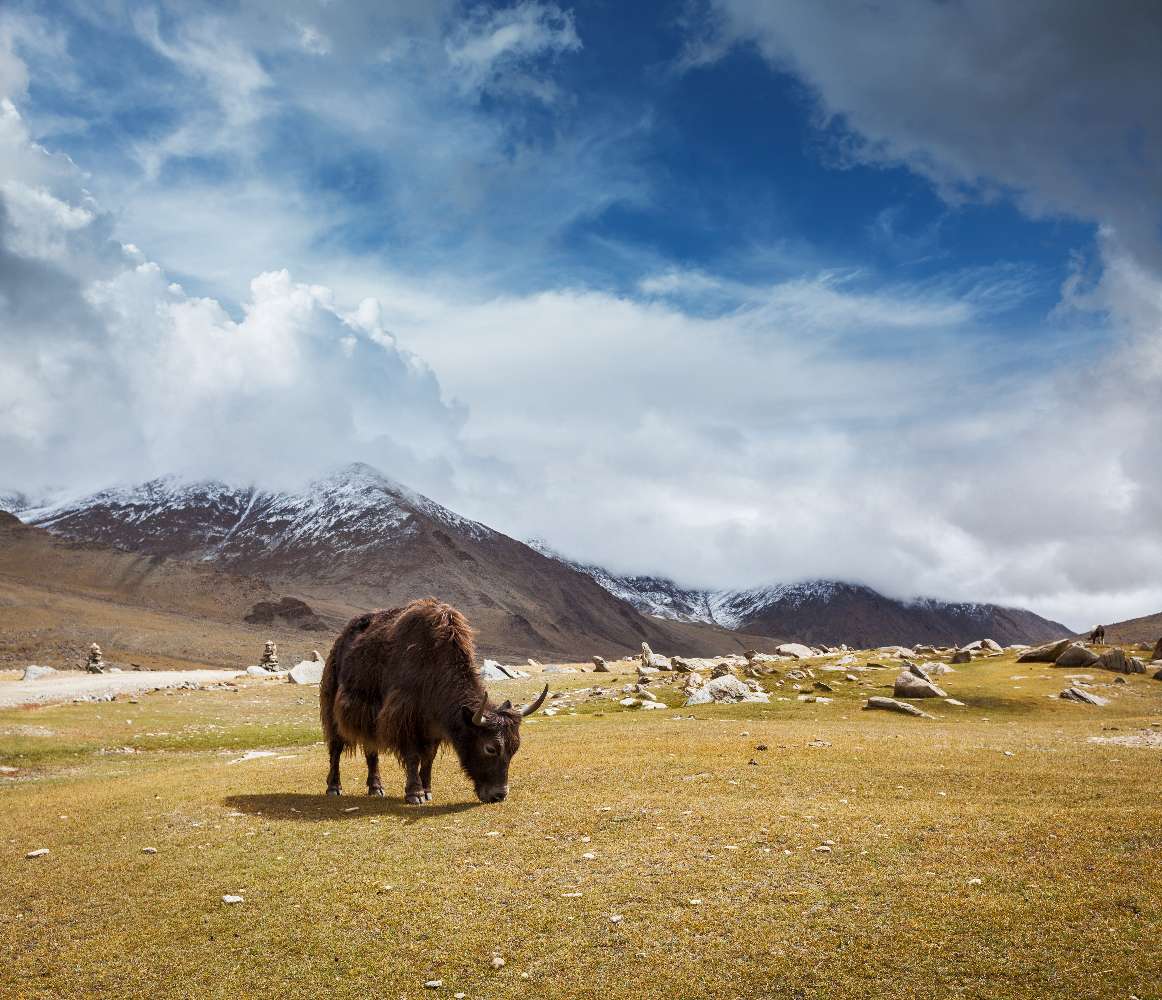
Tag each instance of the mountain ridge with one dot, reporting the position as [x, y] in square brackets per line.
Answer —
[828, 612]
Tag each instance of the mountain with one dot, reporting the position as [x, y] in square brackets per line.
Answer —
[824, 611]
[355, 539]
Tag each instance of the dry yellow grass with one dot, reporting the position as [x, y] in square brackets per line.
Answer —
[708, 860]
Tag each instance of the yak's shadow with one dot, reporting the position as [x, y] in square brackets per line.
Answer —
[316, 808]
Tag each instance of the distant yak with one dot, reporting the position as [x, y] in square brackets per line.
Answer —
[405, 681]
[1098, 634]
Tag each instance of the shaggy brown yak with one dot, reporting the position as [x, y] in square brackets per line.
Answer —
[403, 681]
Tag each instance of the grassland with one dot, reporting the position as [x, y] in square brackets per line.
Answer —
[996, 851]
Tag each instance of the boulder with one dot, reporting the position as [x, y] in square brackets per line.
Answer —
[490, 670]
[680, 665]
[897, 651]
[924, 650]
[32, 672]
[693, 682]
[795, 649]
[556, 668]
[891, 705]
[725, 690]
[1158, 675]
[254, 670]
[913, 684]
[1116, 660]
[599, 665]
[1157, 654]
[1076, 655]
[1083, 696]
[961, 656]
[306, 672]
[1045, 654]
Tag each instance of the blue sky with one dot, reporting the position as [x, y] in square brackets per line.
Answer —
[736, 291]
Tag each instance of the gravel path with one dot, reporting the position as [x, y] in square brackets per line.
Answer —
[70, 686]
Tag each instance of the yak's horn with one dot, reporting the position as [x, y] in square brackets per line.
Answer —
[529, 709]
[478, 718]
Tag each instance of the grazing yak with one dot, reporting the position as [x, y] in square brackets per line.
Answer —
[404, 681]
[1098, 635]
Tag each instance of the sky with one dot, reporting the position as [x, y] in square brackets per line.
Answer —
[733, 291]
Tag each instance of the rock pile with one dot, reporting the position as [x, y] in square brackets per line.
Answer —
[95, 664]
[1045, 654]
[913, 682]
[269, 658]
[653, 661]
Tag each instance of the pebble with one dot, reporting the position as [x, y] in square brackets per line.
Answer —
[459, 996]
[40, 852]
[149, 850]
[1009, 753]
[492, 833]
[975, 881]
[570, 895]
[497, 962]
[695, 902]
[823, 849]
[231, 900]
[589, 856]
[433, 984]
[616, 918]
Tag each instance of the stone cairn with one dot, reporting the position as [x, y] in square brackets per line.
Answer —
[269, 659]
[95, 664]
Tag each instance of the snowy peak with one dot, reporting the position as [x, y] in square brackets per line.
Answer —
[822, 611]
[353, 510]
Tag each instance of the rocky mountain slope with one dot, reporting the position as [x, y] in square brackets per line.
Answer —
[356, 539]
[824, 611]
[1147, 629]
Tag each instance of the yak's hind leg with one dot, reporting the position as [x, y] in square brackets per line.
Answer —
[374, 782]
[427, 755]
[336, 746]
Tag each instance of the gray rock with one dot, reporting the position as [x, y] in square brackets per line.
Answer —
[556, 668]
[306, 672]
[599, 665]
[32, 672]
[256, 671]
[727, 690]
[1085, 697]
[891, 705]
[795, 649]
[1045, 654]
[961, 656]
[1076, 655]
[1117, 661]
[680, 665]
[911, 684]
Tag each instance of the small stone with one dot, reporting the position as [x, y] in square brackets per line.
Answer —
[492, 833]
[149, 850]
[976, 881]
[589, 856]
[433, 984]
[616, 918]
[695, 902]
[823, 849]
[231, 900]
[40, 852]
[497, 962]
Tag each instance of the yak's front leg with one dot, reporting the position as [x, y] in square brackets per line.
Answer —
[427, 755]
[413, 789]
[374, 782]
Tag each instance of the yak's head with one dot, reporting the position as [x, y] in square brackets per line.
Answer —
[489, 740]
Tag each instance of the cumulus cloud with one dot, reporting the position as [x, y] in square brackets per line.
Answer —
[112, 371]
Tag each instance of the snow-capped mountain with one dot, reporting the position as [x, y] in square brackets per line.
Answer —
[352, 511]
[357, 539]
[822, 611]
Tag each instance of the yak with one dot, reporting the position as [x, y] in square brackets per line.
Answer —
[404, 681]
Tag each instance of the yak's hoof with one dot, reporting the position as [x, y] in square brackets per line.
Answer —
[334, 790]
[427, 795]
[375, 790]
[414, 800]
